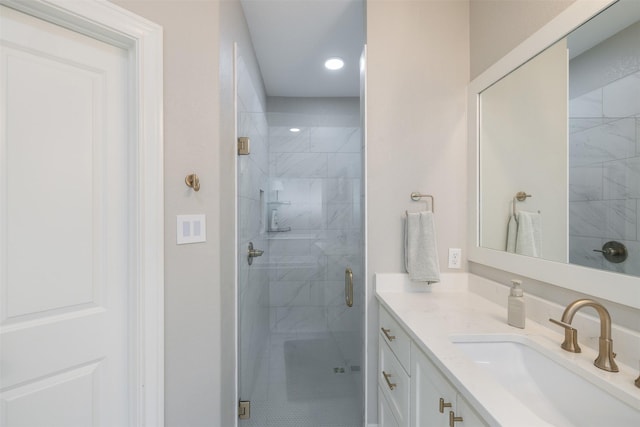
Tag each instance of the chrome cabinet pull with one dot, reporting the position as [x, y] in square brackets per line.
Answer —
[453, 419]
[443, 405]
[389, 383]
[348, 287]
[386, 334]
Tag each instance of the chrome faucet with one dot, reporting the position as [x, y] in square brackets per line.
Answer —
[605, 346]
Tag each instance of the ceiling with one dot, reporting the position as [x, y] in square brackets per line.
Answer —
[293, 38]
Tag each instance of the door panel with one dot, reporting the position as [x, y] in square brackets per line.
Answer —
[65, 399]
[64, 227]
[36, 154]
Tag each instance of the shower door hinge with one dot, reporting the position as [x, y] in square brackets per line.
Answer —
[243, 145]
[244, 409]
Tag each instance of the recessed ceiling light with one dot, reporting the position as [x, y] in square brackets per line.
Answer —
[294, 130]
[334, 64]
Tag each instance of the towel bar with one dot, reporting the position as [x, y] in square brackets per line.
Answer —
[415, 196]
[520, 196]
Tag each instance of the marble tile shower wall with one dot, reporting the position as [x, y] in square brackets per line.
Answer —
[604, 173]
[253, 281]
[319, 169]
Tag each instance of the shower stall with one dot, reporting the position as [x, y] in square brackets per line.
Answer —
[300, 260]
[604, 153]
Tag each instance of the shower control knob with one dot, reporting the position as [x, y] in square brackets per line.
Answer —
[253, 253]
[614, 252]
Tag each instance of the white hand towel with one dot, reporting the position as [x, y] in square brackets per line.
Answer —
[420, 249]
[512, 233]
[529, 236]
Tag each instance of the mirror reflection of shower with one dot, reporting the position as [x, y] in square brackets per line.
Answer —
[604, 144]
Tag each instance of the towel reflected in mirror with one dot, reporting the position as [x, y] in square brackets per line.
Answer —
[524, 234]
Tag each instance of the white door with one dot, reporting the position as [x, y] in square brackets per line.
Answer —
[65, 217]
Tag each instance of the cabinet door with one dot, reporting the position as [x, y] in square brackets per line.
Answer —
[395, 384]
[385, 414]
[469, 416]
[428, 387]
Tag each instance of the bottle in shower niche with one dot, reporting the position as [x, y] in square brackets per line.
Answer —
[515, 306]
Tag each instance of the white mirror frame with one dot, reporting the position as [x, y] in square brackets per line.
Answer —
[619, 288]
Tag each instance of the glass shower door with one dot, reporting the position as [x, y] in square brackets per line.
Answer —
[252, 257]
[300, 201]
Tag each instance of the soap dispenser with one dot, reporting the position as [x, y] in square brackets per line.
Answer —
[515, 309]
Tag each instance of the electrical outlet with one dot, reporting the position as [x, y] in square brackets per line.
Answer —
[455, 257]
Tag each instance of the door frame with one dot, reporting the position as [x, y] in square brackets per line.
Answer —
[142, 40]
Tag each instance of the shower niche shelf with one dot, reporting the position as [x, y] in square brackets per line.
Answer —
[279, 230]
[273, 220]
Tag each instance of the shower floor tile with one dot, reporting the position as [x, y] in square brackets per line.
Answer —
[302, 388]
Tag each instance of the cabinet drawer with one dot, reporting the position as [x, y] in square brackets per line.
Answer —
[398, 340]
[385, 415]
[394, 382]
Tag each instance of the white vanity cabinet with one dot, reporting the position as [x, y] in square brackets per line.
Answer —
[410, 387]
[394, 353]
[385, 413]
[434, 401]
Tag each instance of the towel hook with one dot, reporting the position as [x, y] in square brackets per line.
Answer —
[415, 196]
[520, 196]
[193, 181]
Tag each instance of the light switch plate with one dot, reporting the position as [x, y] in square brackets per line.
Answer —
[191, 229]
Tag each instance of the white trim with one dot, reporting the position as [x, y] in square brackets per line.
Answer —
[236, 298]
[365, 243]
[614, 287]
[112, 24]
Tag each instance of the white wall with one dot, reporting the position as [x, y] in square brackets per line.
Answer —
[192, 281]
[418, 70]
[497, 26]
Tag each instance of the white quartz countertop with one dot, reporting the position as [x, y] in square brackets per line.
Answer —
[449, 309]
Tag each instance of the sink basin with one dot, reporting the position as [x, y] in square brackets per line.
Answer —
[551, 390]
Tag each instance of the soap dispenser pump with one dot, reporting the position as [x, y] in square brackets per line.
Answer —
[515, 309]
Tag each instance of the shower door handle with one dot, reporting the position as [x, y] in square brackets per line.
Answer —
[348, 287]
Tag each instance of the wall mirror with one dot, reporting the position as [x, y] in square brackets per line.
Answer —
[555, 146]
